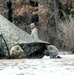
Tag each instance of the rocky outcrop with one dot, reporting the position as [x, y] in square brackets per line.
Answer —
[13, 35]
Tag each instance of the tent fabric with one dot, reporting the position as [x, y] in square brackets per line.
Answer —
[14, 35]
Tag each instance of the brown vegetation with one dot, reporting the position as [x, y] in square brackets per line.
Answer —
[22, 12]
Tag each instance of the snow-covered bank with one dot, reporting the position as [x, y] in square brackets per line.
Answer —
[44, 66]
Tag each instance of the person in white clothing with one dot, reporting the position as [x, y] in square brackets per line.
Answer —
[34, 30]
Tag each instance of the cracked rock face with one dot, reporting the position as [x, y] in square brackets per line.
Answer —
[14, 35]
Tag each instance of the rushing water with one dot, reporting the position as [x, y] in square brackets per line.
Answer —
[44, 66]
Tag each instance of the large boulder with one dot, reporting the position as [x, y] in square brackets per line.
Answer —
[51, 51]
[16, 52]
[52, 47]
[32, 47]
